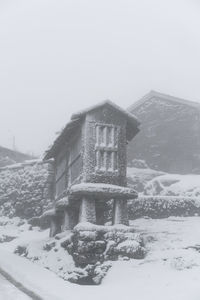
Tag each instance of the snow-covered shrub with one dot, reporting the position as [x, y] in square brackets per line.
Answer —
[91, 274]
[93, 247]
[164, 206]
[130, 248]
[6, 238]
[91, 244]
[26, 189]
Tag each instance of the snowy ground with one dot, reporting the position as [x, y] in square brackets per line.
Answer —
[170, 271]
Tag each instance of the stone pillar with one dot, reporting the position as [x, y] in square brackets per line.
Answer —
[120, 214]
[55, 226]
[67, 224]
[100, 212]
[70, 218]
[87, 211]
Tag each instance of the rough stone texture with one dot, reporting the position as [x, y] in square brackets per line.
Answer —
[26, 189]
[68, 223]
[169, 138]
[70, 218]
[87, 211]
[120, 212]
[105, 116]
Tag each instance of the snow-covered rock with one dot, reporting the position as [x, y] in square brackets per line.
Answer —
[174, 185]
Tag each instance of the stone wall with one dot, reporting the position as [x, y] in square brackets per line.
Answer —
[26, 189]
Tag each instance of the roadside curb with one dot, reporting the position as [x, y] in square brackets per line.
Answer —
[20, 285]
[33, 280]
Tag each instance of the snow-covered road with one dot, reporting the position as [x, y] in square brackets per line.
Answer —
[10, 292]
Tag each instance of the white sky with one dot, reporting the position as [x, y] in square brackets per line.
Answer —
[59, 56]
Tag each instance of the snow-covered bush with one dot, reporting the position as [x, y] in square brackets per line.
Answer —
[164, 206]
[130, 248]
[91, 244]
[93, 247]
[91, 274]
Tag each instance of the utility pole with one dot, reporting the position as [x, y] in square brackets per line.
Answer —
[14, 144]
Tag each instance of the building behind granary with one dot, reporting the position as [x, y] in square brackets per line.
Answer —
[9, 157]
[169, 137]
[90, 164]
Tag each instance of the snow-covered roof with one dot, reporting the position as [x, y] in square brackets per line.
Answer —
[76, 120]
[128, 115]
[154, 94]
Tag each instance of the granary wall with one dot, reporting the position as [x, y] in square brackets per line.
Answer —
[26, 189]
[69, 164]
[91, 174]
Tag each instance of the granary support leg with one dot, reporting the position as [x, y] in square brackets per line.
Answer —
[55, 226]
[120, 215]
[100, 211]
[67, 225]
[87, 211]
[70, 218]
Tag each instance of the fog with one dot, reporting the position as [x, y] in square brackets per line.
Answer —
[57, 57]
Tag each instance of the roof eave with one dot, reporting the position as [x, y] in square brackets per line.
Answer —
[53, 150]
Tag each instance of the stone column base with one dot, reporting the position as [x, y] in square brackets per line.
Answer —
[55, 226]
[120, 215]
[87, 211]
[70, 218]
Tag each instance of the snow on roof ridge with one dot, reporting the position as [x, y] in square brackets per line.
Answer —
[168, 97]
[104, 102]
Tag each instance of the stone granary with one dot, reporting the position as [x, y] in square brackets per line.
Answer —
[90, 167]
